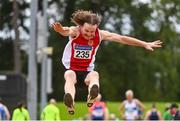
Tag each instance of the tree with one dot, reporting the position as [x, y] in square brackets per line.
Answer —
[11, 23]
[17, 53]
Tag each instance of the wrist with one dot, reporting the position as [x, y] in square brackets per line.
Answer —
[144, 44]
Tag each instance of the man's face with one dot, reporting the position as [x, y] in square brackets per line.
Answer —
[129, 97]
[173, 111]
[88, 31]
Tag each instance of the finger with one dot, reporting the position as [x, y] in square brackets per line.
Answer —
[58, 24]
[151, 49]
[55, 22]
[157, 46]
[52, 25]
[159, 42]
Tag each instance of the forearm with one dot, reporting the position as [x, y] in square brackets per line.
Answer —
[132, 41]
[121, 111]
[140, 104]
[65, 31]
[7, 114]
[106, 116]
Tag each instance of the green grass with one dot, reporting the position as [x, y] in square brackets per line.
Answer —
[81, 109]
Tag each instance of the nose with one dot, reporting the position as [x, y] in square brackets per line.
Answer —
[89, 34]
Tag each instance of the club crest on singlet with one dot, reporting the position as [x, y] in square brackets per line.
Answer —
[82, 51]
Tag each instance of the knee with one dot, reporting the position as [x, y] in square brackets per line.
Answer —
[94, 74]
[70, 75]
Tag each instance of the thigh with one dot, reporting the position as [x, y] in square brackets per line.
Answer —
[70, 76]
[92, 76]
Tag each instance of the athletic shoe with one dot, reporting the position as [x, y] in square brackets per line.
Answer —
[94, 91]
[68, 101]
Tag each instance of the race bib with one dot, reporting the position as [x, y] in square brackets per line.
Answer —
[82, 51]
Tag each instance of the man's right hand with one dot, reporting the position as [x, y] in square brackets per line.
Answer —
[65, 31]
[57, 27]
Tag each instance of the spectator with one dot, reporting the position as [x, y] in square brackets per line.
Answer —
[167, 114]
[99, 110]
[131, 107]
[4, 112]
[153, 114]
[21, 113]
[175, 111]
[51, 111]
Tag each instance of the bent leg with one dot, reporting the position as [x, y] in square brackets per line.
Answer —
[70, 81]
[69, 87]
[92, 80]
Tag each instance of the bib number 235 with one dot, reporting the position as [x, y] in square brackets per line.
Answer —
[82, 54]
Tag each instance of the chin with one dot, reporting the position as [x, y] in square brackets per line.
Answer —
[87, 38]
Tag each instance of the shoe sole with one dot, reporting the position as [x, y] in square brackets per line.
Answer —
[93, 94]
[68, 101]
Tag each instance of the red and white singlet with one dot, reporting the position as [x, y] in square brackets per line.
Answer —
[79, 53]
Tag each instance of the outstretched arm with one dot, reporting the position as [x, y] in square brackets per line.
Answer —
[65, 31]
[106, 35]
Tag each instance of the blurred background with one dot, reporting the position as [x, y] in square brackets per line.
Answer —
[30, 51]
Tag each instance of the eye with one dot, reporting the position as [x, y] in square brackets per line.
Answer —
[86, 30]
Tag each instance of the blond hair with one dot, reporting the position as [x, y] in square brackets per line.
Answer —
[80, 17]
[129, 92]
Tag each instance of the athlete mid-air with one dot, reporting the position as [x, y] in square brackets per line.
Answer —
[79, 53]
